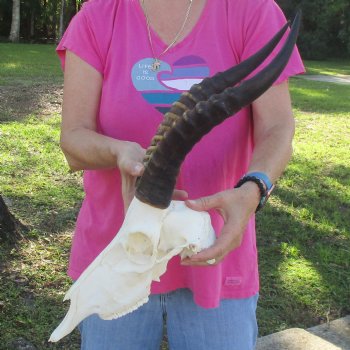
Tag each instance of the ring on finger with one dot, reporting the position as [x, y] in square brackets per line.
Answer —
[211, 261]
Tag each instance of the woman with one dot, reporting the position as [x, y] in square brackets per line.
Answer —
[125, 62]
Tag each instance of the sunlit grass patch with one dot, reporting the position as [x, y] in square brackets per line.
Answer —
[28, 63]
[320, 97]
[328, 67]
[300, 273]
[34, 174]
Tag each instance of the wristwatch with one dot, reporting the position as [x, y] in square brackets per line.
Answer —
[264, 183]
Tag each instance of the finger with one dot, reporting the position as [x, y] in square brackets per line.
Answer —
[225, 243]
[217, 252]
[196, 261]
[135, 169]
[189, 262]
[131, 167]
[205, 203]
[127, 200]
[180, 195]
[127, 194]
[213, 254]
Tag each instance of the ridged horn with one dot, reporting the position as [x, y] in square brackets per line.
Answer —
[209, 86]
[176, 139]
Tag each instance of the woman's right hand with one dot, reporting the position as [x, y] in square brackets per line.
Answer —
[129, 162]
[130, 156]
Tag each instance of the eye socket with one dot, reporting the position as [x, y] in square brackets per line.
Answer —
[138, 245]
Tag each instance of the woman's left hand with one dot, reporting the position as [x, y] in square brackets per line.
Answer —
[235, 206]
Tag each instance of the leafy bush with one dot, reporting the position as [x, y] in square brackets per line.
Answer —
[326, 27]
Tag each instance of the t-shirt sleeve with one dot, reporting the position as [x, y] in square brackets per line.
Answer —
[81, 39]
[261, 20]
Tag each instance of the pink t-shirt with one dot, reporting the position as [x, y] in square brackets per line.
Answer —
[111, 36]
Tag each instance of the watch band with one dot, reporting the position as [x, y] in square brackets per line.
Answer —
[247, 178]
[263, 177]
[264, 184]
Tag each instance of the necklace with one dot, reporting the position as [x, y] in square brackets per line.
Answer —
[156, 58]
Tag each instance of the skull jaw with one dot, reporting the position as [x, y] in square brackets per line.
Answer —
[118, 281]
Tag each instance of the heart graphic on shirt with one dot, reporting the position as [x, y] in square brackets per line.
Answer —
[163, 87]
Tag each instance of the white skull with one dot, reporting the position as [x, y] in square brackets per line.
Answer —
[118, 281]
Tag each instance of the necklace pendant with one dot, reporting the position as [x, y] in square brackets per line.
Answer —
[156, 65]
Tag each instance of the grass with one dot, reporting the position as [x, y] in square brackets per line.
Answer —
[303, 233]
[28, 64]
[42, 193]
[333, 67]
[46, 197]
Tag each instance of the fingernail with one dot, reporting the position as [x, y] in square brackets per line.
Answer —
[191, 201]
[138, 168]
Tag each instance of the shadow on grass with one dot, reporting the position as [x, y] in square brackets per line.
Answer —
[32, 307]
[33, 279]
[304, 256]
[29, 315]
[46, 215]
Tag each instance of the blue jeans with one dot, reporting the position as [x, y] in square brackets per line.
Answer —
[231, 326]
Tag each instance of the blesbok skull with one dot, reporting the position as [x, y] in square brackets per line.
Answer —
[155, 228]
[119, 279]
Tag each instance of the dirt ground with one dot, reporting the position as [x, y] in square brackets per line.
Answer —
[19, 101]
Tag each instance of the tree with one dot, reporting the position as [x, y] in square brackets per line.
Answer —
[325, 31]
[325, 28]
[16, 21]
[10, 227]
[62, 27]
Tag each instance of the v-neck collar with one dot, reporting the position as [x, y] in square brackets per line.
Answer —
[159, 42]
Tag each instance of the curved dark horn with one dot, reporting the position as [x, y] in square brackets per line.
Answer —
[209, 86]
[232, 76]
[157, 183]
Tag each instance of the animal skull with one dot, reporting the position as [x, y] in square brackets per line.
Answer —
[119, 279]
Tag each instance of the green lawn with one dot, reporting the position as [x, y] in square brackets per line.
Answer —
[333, 67]
[303, 233]
[28, 64]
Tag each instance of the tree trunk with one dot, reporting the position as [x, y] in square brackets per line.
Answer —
[10, 227]
[15, 25]
[45, 24]
[54, 26]
[72, 9]
[32, 25]
[63, 9]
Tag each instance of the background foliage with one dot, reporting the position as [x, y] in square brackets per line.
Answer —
[326, 27]
[39, 18]
[325, 31]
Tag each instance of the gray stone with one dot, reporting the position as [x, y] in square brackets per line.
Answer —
[336, 332]
[294, 339]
